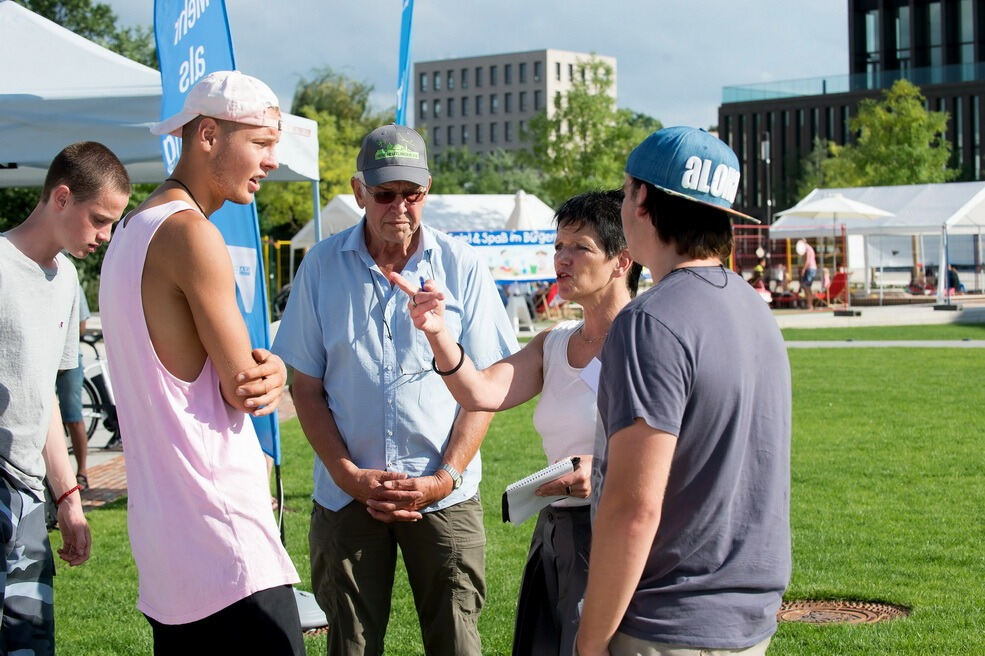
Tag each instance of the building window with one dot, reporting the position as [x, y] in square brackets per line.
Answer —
[450, 108]
[465, 78]
[557, 71]
[508, 102]
[901, 25]
[493, 103]
[423, 109]
[450, 80]
[478, 133]
[571, 72]
[934, 36]
[478, 105]
[558, 100]
[492, 132]
[976, 137]
[522, 127]
[537, 65]
[437, 108]
[451, 135]
[582, 68]
[507, 73]
[966, 30]
[424, 82]
[492, 75]
[523, 72]
[507, 131]
[538, 100]
[436, 136]
[478, 76]
[465, 106]
[465, 134]
[959, 131]
[437, 81]
[523, 101]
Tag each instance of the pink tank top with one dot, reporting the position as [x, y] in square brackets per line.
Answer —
[201, 527]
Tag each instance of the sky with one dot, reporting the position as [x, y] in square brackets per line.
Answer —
[673, 56]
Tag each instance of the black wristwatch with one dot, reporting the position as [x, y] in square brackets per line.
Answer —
[456, 478]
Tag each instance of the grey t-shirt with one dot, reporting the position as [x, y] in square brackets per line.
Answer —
[700, 357]
[39, 334]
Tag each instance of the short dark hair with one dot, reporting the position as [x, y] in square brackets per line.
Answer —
[86, 168]
[601, 211]
[697, 230]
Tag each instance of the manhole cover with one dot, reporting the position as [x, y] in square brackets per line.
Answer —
[844, 612]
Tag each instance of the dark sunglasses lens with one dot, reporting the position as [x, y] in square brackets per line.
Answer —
[384, 197]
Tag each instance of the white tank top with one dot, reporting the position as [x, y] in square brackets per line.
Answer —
[566, 412]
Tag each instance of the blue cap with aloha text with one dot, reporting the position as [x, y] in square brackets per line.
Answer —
[689, 162]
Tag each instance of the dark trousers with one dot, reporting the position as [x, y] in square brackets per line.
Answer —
[554, 581]
[353, 559]
[266, 622]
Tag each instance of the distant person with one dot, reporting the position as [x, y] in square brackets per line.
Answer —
[918, 283]
[593, 269]
[398, 462]
[954, 280]
[68, 389]
[808, 271]
[213, 574]
[85, 191]
[691, 488]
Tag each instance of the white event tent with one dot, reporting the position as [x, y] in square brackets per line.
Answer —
[58, 87]
[929, 212]
[445, 212]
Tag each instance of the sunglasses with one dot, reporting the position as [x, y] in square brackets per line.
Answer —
[386, 196]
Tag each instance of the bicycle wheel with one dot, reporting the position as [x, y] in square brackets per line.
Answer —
[92, 410]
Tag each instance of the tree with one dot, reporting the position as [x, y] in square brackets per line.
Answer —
[340, 106]
[460, 171]
[899, 142]
[583, 144]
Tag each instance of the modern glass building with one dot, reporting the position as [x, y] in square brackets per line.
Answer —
[938, 45]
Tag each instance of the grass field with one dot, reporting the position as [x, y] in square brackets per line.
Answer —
[887, 504]
[947, 331]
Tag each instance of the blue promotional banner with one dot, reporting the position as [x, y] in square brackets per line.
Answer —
[514, 255]
[193, 40]
[404, 66]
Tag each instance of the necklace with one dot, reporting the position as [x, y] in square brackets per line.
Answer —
[190, 194]
[590, 340]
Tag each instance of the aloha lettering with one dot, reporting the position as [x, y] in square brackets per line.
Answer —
[723, 183]
[388, 151]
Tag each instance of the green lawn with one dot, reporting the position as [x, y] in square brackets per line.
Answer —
[948, 331]
[887, 504]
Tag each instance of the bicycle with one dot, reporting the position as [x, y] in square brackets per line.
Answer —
[98, 401]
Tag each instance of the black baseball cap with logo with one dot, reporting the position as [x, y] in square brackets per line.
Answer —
[393, 152]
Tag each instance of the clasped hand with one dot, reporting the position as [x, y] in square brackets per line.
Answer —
[395, 496]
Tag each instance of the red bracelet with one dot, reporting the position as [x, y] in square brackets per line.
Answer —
[64, 496]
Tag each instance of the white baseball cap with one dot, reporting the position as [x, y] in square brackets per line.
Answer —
[227, 95]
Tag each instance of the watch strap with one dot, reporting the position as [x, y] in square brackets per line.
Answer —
[455, 476]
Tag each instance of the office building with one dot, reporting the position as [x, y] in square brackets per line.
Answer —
[938, 45]
[484, 103]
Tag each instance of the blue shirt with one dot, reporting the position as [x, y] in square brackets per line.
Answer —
[345, 323]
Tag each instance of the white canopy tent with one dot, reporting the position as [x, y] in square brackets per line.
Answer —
[445, 212]
[926, 210]
[58, 87]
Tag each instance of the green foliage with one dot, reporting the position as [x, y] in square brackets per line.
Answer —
[96, 21]
[341, 108]
[584, 142]
[460, 171]
[899, 142]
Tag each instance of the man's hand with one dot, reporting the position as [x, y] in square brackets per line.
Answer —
[426, 305]
[263, 385]
[576, 484]
[76, 540]
[369, 487]
[430, 490]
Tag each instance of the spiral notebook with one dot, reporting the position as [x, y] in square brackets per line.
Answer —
[519, 500]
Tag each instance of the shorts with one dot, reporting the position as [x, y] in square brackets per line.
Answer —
[266, 622]
[68, 388]
[27, 618]
[808, 277]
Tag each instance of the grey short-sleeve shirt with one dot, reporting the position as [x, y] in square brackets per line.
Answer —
[39, 334]
[700, 357]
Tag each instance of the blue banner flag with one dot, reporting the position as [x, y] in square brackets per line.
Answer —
[193, 40]
[404, 66]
